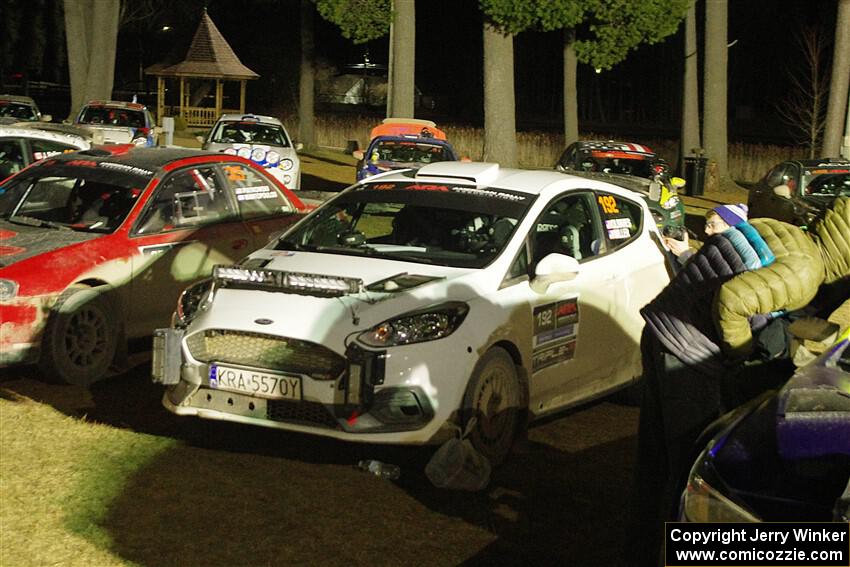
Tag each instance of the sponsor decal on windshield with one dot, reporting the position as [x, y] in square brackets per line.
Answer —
[126, 168]
[489, 193]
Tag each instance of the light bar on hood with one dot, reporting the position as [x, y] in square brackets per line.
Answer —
[299, 282]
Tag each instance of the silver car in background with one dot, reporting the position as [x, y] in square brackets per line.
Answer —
[262, 139]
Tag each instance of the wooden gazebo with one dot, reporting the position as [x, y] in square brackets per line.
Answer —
[210, 58]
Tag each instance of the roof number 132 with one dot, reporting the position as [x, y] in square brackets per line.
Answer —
[608, 204]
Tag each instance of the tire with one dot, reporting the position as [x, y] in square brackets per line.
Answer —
[80, 339]
[493, 398]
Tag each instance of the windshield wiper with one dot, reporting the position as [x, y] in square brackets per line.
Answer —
[41, 223]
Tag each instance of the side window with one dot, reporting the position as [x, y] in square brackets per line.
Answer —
[568, 226]
[11, 158]
[189, 197]
[45, 148]
[256, 195]
[623, 219]
[520, 266]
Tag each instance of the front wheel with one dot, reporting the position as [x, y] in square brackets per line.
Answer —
[80, 338]
[493, 397]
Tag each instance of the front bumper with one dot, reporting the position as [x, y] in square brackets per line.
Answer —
[354, 405]
[21, 327]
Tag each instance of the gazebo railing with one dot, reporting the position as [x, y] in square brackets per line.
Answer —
[197, 115]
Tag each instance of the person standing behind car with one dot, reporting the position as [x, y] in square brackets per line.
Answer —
[730, 221]
[698, 353]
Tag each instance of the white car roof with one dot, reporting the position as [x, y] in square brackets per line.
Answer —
[484, 174]
[261, 118]
[18, 98]
[36, 134]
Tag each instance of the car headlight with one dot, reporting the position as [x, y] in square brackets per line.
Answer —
[287, 164]
[258, 154]
[701, 502]
[417, 327]
[244, 152]
[703, 499]
[140, 141]
[8, 290]
[194, 299]
[229, 151]
[272, 157]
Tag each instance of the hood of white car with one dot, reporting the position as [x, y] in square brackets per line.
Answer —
[389, 289]
[113, 134]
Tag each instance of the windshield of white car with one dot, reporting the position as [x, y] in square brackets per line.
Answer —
[82, 198]
[124, 117]
[401, 151]
[249, 133]
[465, 227]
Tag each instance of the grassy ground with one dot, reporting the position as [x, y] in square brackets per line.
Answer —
[58, 477]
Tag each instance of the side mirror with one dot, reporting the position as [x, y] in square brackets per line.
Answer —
[678, 182]
[47, 118]
[782, 191]
[552, 269]
[358, 154]
[299, 146]
[200, 139]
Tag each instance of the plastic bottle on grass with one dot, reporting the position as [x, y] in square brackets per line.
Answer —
[377, 468]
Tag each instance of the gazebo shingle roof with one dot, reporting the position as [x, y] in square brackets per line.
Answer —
[209, 56]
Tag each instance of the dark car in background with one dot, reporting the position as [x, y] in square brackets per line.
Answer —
[631, 166]
[96, 246]
[783, 457]
[799, 191]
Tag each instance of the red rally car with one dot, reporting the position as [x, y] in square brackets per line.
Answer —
[96, 246]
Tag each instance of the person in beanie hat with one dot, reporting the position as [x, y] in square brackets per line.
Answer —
[730, 221]
[732, 215]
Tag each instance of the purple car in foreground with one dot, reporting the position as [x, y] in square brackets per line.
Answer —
[785, 456]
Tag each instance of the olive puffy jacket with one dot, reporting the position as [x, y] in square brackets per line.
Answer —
[804, 261]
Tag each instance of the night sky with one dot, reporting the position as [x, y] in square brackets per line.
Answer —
[639, 96]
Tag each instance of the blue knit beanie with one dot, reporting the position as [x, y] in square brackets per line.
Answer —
[732, 214]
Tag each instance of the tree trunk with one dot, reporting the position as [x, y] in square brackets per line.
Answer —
[499, 104]
[403, 48]
[306, 90]
[690, 105]
[836, 112]
[715, 88]
[77, 39]
[570, 90]
[91, 29]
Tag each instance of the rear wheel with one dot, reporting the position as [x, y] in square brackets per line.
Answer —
[493, 398]
[80, 338]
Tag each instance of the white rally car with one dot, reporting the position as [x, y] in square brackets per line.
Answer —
[415, 300]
